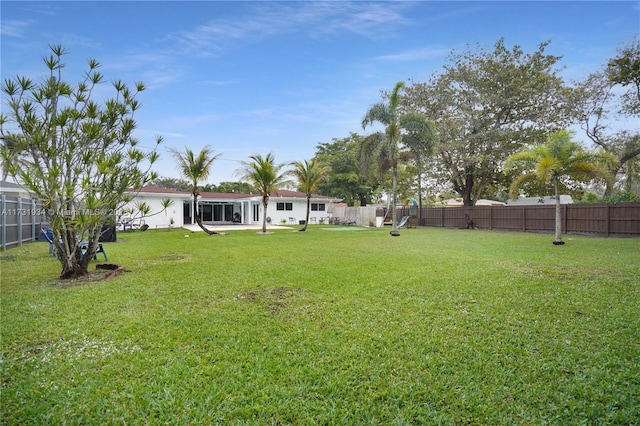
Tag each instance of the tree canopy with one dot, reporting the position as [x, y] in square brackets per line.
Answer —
[346, 179]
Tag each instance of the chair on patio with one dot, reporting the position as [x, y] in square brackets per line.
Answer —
[47, 235]
[84, 246]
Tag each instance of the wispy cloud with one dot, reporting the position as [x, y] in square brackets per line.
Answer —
[14, 28]
[313, 19]
[414, 55]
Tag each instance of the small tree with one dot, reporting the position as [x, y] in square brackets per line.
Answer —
[266, 176]
[309, 175]
[559, 159]
[77, 156]
[196, 168]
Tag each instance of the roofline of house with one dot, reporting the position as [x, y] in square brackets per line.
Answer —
[212, 196]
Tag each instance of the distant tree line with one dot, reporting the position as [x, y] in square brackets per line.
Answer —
[484, 105]
[489, 104]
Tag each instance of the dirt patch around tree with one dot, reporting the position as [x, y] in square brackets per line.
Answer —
[103, 271]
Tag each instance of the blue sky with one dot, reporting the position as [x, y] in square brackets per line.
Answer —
[252, 77]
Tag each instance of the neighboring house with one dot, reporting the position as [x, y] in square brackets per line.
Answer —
[219, 208]
[457, 202]
[531, 201]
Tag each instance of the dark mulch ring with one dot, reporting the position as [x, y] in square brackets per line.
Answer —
[102, 272]
[107, 266]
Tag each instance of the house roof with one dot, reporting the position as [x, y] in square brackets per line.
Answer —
[529, 201]
[457, 202]
[14, 189]
[282, 193]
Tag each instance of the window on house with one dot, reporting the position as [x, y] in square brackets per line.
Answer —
[284, 206]
[317, 207]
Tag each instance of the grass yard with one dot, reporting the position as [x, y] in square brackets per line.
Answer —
[434, 327]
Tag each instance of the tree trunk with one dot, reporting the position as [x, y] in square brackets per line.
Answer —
[558, 240]
[306, 221]
[608, 192]
[265, 203]
[394, 225]
[74, 265]
[196, 213]
[467, 190]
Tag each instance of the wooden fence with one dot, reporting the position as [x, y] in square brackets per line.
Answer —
[596, 219]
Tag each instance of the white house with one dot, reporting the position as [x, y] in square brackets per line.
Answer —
[217, 208]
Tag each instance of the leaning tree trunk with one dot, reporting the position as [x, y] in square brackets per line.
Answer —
[558, 240]
[196, 213]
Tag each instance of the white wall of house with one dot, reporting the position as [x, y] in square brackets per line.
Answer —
[293, 210]
[159, 217]
[281, 209]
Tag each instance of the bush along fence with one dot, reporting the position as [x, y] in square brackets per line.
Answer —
[20, 220]
[619, 220]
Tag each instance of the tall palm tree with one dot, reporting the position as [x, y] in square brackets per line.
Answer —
[309, 174]
[401, 129]
[556, 162]
[196, 168]
[266, 176]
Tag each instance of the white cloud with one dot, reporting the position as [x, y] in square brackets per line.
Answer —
[315, 19]
[414, 55]
[14, 28]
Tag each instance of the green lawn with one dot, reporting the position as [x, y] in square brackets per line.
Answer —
[434, 327]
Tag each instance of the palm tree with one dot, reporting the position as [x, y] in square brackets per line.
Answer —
[400, 129]
[266, 176]
[196, 168]
[559, 161]
[309, 174]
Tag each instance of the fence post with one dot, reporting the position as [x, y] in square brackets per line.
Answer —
[3, 221]
[33, 219]
[564, 218]
[608, 218]
[490, 217]
[19, 213]
[524, 218]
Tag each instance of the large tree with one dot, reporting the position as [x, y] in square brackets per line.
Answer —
[346, 179]
[266, 176]
[77, 156]
[559, 159]
[624, 69]
[401, 130]
[606, 112]
[309, 173]
[488, 104]
[196, 168]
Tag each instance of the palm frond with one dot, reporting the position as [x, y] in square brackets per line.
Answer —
[379, 112]
[395, 97]
[519, 182]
